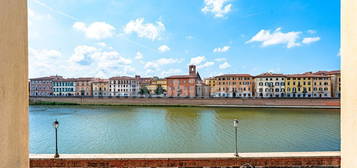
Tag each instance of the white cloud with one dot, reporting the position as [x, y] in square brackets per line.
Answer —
[164, 48]
[205, 65]
[44, 62]
[156, 64]
[88, 55]
[139, 56]
[33, 15]
[82, 53]
[309, 40]
[200, 62]
[145, 30]
[99, 62]
[221, 50]
[268, 38]
[102, 44]
[225, 65]
[197, 60]
[85, 61]
[96, 30]
[217, 7]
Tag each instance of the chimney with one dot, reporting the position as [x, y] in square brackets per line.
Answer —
[192, 70]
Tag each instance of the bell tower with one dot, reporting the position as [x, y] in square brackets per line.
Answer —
[192, 70]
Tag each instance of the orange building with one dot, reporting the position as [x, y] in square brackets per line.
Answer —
[233, 85]
[335, 77]
[84, 86]
[187, 85]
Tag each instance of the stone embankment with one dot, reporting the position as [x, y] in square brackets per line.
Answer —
[245, 160]
[210, 102]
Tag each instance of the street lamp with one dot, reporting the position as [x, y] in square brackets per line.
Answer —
[235, 124]
[55, 125]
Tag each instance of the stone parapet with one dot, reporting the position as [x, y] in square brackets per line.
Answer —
[261, 160]
[218, 102]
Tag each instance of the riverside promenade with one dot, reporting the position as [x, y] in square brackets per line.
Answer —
[261, 160]
[192, 102]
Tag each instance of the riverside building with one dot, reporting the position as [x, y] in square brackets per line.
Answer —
[42, 86]
[321, 87]
[100, 88]
[157, 83]
[190, 85]
[233, 85]
[124, 86]
[64, 87]
[335, 82]
[84, 86]
[299, 85]
[268, 85]
[211, 82]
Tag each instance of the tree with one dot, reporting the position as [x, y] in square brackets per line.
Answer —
[159, 90]
[144, 91]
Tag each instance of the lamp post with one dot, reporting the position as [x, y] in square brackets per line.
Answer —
[235, 124]
[55, 125]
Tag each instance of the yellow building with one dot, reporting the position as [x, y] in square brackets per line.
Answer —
[154, 84]
[299, 85]
[211, 82]
[100, 87]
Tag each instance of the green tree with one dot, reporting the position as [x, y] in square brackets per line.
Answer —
[159, 90]
[144, 91]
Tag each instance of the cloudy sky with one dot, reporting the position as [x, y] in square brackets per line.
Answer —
[162, 37]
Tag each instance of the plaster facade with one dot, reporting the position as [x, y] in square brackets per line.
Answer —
[14, 90]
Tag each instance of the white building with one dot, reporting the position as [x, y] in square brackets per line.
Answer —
[270, 85]
[124, 86]
[64, 87]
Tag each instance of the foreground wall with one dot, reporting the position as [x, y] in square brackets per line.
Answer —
[261, 160]
[193, 101]
[349, 80]
[13, 84]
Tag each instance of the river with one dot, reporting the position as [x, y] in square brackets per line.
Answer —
[119, 129]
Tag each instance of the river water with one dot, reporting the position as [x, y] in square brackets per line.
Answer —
[117, 129]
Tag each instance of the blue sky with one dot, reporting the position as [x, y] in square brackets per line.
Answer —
[162, 37]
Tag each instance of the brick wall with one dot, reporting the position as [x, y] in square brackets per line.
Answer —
[331, 162]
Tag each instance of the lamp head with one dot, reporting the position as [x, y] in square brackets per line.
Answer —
[55, 124]
[235, 123]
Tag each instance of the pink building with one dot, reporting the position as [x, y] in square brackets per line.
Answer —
[190, 85]
[42, 86]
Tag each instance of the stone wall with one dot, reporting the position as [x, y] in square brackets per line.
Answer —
[259, 160]
[191, 101]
